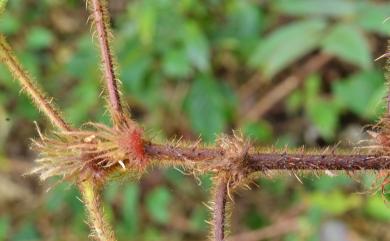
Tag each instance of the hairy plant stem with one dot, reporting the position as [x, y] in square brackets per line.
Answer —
[88, 187]
[273, 159]
[102, 231]
[101, 23]
[28, 84]
[219, 212]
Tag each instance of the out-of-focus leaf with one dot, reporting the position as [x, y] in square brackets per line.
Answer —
[348, 43]
[131, 208]
[9, 24]
[371, 17]
[335, 203]
[294, 101]
[207, 107]
[175, 64]
[359, 92]
[334, 8]
[196, 46]
[260, 131]
[198, 217]
[324, 115]
[56, 198]
[3, 3]
[138, 63]
[244, 22]
[4, 227]
[39, 38]
[255, 220]
[376, 208]
[111, 191]
[327, 183]
[5, 126]
[157, 202]
[287, 44]
[321, 112]
[28, 232]
[146, 17]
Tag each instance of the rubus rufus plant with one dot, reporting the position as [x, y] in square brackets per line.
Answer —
[91, 155]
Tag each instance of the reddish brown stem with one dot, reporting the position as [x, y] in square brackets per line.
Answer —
[220, 199]
[277, 160]
[101, 25]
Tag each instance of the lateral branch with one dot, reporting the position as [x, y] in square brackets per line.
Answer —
[277, 160]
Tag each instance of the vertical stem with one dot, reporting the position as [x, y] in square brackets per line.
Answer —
[101, 22]
[38, 97]
[219, 215]
[102, 231]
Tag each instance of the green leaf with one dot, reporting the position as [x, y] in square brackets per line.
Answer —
[146, 17]
[9, 24]
[28, 232]
[131, 208]
[208, 107]
[361, 93]
[196, 46]
[286, 45]
[175, 63]
[333, 8]
[3, 4]
[157, 203]
[260, 131]
[56, 198]
[349, 44]
[4, 227]
[376, 208]
[39, 38]
[198, 216]
[335, 203]
[324, 115]
[371, 17]
[241, 30]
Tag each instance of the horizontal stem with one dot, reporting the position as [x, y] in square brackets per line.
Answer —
[277, 160]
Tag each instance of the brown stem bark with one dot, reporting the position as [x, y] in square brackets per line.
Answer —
[101, 24]
[220, 199]
[277, 160]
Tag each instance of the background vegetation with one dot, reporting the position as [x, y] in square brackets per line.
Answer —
[198, 68]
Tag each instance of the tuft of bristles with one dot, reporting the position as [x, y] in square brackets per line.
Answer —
[231, 165]
[92, 153]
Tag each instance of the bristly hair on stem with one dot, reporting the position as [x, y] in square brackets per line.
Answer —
[101, 23]
[219, 209]
[30, 86]
[91, 153]
[101, 230]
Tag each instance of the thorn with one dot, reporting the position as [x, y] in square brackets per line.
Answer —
[296, 176]
[330, 173]
[80, 199]
[382, 56]
[122, 164]
[39, 131]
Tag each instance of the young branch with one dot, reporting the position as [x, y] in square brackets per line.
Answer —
[91, 196]
[101, 23]
[219, 212]
[271, 160]
[36, 94]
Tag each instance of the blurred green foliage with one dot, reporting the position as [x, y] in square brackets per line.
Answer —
[182, 64]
